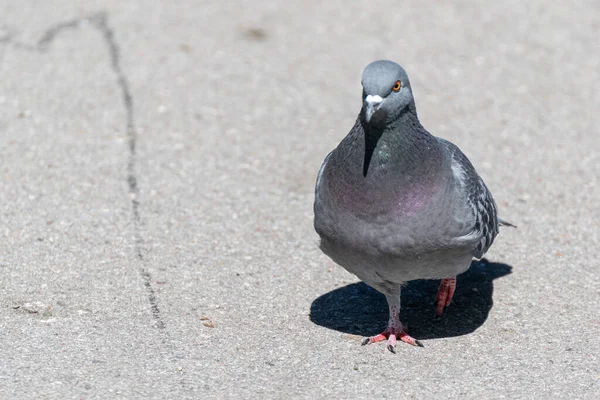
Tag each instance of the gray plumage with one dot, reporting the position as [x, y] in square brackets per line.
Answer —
[394, 203]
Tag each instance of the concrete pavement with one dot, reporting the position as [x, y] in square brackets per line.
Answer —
[156, 187]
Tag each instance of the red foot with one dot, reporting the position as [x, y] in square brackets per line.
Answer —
[444, 295]
[391, 333]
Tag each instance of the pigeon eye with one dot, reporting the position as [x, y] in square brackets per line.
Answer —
[397, 86]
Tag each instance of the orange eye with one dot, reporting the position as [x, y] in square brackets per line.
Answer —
[397, 86]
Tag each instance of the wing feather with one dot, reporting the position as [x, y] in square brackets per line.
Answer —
[478, 199]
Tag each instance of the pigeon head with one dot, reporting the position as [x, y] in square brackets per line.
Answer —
[386, 92]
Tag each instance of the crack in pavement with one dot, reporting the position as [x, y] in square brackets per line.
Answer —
[100, 22]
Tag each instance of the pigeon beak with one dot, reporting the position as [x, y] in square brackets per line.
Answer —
[372, 104]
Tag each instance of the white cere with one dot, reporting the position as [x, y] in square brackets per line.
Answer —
[374, 99]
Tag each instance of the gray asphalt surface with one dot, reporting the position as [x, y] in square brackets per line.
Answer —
[156, 188]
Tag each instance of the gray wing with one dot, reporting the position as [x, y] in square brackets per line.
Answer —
[478, 199]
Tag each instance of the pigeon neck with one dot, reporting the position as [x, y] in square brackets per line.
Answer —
[399, 143]
[407, 119]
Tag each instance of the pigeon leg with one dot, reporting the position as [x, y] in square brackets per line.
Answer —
[394, 330]
[444, 295]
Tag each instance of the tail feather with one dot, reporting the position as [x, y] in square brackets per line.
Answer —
[505, 223]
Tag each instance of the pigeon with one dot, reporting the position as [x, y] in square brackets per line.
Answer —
[393, 203]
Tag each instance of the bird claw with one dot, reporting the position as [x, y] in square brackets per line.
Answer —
[392, 334]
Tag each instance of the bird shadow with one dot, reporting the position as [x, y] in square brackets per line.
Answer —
[359, 309]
